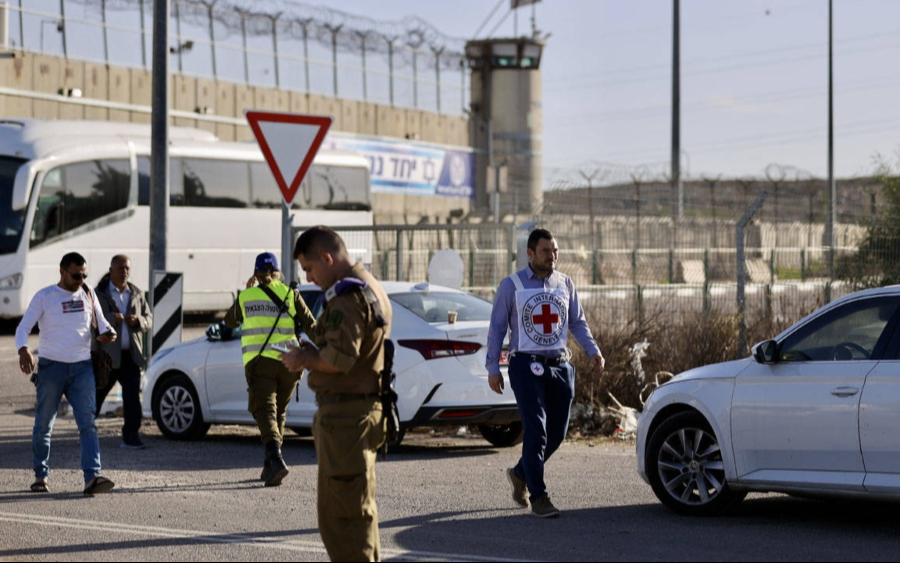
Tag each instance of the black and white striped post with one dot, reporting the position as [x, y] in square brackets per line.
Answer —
[166, 300]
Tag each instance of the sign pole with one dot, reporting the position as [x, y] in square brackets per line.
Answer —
[287, 258]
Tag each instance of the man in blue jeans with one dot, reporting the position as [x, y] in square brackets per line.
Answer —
[538, 306]
[65, 314]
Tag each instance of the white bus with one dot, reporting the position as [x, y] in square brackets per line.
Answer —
[84, 186]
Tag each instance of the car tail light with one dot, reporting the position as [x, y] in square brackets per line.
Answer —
[450, 414]
[436, 349]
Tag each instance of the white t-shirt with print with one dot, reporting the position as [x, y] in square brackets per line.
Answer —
[64, 319]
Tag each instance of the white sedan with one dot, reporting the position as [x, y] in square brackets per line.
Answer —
[813, 412]
[441, 378]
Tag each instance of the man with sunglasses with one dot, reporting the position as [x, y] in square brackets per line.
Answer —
[65, 314]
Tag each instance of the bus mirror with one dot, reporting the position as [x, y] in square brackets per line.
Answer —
[20, 187]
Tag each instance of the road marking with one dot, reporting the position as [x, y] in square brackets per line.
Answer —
[265, 542]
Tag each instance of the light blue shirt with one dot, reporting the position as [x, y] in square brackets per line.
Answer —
[503, 316]
[122, 299]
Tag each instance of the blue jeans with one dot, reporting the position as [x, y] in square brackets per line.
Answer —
[76, 382]
[544, 403]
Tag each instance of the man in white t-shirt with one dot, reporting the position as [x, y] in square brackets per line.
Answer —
[65, 313]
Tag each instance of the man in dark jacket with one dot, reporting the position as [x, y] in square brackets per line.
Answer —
[126, 309]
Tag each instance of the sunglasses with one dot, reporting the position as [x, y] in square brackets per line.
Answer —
[78, 277]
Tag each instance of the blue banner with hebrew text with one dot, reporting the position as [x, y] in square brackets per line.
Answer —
[400, 167]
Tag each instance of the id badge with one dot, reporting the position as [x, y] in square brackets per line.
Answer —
[537, 368]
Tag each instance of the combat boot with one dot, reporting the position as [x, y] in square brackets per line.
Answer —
[264, 476]
[277, 469]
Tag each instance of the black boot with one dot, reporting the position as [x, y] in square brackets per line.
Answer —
[264, 476]
[277, 468]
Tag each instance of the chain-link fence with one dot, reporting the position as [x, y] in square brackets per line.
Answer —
[278, 43]
[633, 260]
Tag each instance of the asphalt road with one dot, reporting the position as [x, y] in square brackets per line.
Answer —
[440, 498]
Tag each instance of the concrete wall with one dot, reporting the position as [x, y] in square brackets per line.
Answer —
[49, 75]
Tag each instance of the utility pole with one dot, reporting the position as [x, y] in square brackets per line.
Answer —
[832, 189]
[159, 135]
[677, 187]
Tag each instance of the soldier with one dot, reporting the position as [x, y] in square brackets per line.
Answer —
[269, 312]
[345, 366]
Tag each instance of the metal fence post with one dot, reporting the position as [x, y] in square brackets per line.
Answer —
[802, 264]
[639, 303]
[706, 266]
[772, 266]
[671, 266]
[742, 268]
[634, 261]
[511, 248]
[399, 270]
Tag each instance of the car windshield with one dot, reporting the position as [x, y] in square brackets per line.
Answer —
[434, 307]
[11, 222]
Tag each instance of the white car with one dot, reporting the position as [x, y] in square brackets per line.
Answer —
[813, 412]
[441, 378]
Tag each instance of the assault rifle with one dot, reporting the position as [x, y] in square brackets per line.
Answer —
[389, 400]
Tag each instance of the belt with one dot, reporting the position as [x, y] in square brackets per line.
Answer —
[329, 398]
[552, 362]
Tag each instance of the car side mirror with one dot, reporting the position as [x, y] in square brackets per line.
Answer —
[214, 332]
[766, 352]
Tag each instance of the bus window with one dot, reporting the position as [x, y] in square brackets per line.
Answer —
[264, 190]
[11, 222]
[76, 194]
[176, 194]
[334, 187]
[215, 183]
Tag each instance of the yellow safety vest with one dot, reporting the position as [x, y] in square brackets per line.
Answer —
[259, 314]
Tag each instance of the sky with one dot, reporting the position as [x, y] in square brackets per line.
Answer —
[754, 80]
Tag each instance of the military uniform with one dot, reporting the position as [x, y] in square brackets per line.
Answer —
[349, 426]
[269, 384]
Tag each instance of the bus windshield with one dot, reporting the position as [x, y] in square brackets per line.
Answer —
[11, 222]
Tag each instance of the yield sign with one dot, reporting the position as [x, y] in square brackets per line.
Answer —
[289, 141]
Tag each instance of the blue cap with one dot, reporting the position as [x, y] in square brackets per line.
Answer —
[266, 261]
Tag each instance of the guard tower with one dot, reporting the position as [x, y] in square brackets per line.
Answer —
[507, 124]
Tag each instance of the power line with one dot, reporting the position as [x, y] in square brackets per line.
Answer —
[856, 129]
[662, 72]
[487, 19]
[708, 104]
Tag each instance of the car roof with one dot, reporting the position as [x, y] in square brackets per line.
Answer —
[875, 291]
[392, 287]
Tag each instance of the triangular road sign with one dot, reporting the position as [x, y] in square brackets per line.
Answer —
[289, 141]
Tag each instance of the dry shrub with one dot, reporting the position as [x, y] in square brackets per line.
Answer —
[676, 344]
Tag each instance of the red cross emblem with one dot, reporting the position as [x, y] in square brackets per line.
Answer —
[546, 319]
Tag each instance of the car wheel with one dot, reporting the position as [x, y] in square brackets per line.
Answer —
[685, 467]
[176, 409]
[502, 435]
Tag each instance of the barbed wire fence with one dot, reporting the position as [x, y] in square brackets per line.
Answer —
[279, 43]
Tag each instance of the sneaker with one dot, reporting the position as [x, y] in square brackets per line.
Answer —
[518, 488]
[132, 443]
[544, 508]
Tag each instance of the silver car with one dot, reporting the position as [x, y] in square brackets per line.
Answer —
[813, 412]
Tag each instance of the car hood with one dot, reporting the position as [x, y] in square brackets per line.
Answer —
[724, 370]
[177, 348]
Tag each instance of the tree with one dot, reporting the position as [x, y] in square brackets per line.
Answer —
[877, 262]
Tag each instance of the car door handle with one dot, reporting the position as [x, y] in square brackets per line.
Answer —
[844, 391]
